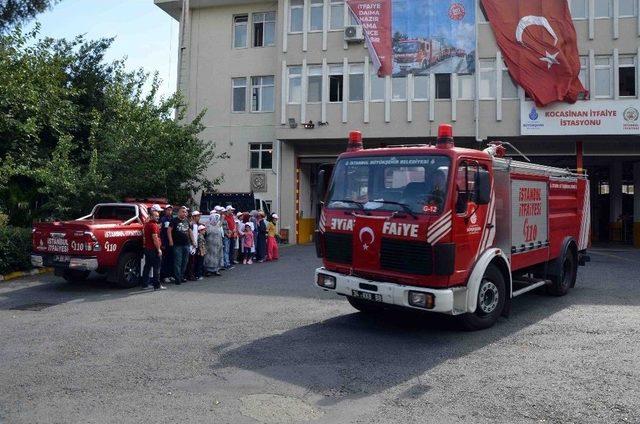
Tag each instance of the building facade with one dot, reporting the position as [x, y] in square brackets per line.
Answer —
[282, 89]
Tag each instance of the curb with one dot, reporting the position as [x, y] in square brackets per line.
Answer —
[20, 274]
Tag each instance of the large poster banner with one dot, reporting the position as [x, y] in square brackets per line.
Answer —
[418, 36]
[594, 117]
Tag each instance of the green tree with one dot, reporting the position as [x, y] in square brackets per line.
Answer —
[14, 12]
[75, 130]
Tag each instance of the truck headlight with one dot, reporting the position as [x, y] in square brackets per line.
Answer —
[326, 281]
[421, 300]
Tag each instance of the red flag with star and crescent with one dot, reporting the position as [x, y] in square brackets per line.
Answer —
[538, 43]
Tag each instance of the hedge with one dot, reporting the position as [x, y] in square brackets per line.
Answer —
[15, 249]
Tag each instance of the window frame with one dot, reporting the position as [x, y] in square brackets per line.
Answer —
[290, 77]
[492, 72]
[610, 12]
[374, 77]
[635, 10]
[406, 89]
[505, 70]
[586, 84]
[264, 25]
[311, 68]
[333, 3]
[632, 65]
[318, 5]
[586, 11]
[289, 20]
[597, 67]
[335, 70]
[234, 25]
[415, 85]
[260, 150]
[359, 71]
[435, 95]
[233, 89]
[261, 87]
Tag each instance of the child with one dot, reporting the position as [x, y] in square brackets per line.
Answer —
[247, 244]
[272, 244]
[201, 251]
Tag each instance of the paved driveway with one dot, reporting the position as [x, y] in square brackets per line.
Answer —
[260, 344]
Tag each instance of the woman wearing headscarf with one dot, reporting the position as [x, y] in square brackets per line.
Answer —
[261, 243]
[213, 260]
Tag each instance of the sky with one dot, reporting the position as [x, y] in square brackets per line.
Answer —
[145, 34]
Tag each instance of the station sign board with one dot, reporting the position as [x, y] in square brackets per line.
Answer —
[587, 117]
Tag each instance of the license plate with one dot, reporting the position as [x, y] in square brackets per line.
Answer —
[61, 258]
[372, 297]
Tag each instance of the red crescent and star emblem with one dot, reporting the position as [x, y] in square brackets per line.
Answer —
[457, 12]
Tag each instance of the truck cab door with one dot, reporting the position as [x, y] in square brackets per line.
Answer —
[471, 212]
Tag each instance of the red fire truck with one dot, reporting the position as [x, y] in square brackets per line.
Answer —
[108, 241]
[447, 229]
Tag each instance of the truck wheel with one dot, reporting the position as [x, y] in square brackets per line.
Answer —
[567, 278]
[491, 299]
[75, 276]
[364, 306]
[128, 272]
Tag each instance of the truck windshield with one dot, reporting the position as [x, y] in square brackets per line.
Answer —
[405, 48]
[390, 183]
[117, 212]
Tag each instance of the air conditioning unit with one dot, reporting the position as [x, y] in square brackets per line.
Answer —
[353, 34]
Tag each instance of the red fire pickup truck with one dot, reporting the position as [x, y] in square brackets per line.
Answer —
[108, 241]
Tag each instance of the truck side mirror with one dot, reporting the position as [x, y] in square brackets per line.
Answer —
[483, 187]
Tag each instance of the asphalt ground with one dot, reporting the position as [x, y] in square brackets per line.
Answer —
[261, 344]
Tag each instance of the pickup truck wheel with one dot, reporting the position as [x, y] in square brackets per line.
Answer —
[491, 300]
[75, 276]
[128, 272]
[364, 306]
[567, 278]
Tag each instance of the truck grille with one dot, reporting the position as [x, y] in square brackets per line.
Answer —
[338, 247]
[406, 257]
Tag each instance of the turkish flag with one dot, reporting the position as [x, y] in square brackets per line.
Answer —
[367, 238]
[538, 42]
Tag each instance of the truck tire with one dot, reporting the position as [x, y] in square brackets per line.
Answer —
[364, 306]
[128, 271]
[491, 300]
[567, 278]
[75, 276]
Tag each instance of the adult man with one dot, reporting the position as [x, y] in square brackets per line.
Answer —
[166, 268]
[230, 218]
[181, 240]
[152, 250]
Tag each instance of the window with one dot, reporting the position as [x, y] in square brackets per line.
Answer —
[296, 8]
[356, 82]
[487, 89]
[584, 71]
[509, 86]
[443, 86]
[579, 9]
[335, 83]
[314, 84]
[239, 99]
[353, 20]
[262, 94]
[378, 84]
[316, 15]
[399, 88]
[604, 81]
[295, 84]
[465, 188]
[337, 14]
[264, 29]
[603, 8]
[466, 87]
[627, 76]
[240, 27]
[627, 8]
[627, 188]
[603, 187]
[261, 155]
[421, 87]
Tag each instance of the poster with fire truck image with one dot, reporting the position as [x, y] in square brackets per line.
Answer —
[418, 36]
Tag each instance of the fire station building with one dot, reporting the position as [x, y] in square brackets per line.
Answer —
[283, 82]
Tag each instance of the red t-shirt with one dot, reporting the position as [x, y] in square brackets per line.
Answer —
[150, 228]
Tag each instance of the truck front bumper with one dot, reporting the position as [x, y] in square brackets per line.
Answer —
[39, 260]
[447, 301]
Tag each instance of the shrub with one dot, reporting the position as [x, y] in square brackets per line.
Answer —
[15, 249]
